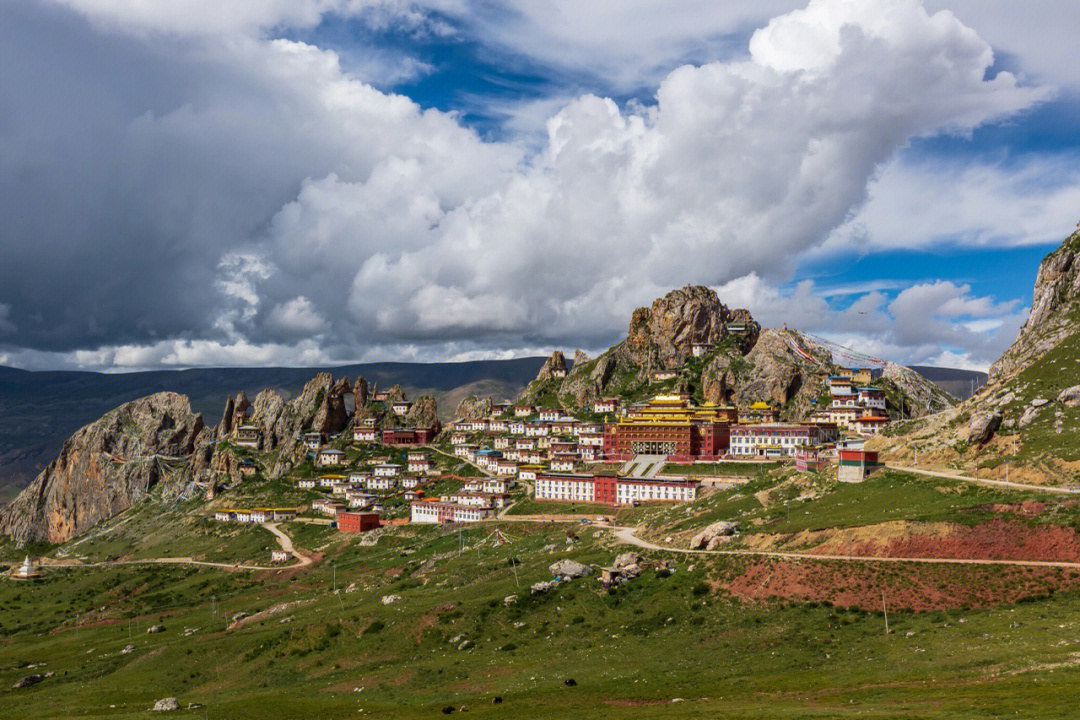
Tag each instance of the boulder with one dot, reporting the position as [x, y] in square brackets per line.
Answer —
[166, 704]
[153, 629]
[721, 528]
[1039, 402]
[1070, 396]
[982, 426]
[1029, 415]
[569, 569]
[27, 681]
[625, 560]
[510, 599]
[390, 599]
[718, 541]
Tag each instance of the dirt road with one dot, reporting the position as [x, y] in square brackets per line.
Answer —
[283, 540]
[982, 481]
[626, 535]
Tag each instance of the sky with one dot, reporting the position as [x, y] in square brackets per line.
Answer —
[188, 183]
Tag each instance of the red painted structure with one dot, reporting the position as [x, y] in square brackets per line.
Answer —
[357, 521]
[407, 436]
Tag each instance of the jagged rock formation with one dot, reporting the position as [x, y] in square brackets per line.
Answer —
[424, 413]
[741, 362]
[771, 371]
[662, 335]
[233, 415]
[395, 394]
[1057, 286]
[553, 367]
[105, 468]
[473, 408]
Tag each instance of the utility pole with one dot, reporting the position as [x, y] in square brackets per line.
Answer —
[885, 610]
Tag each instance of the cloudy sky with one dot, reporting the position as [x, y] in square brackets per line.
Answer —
[291, 182]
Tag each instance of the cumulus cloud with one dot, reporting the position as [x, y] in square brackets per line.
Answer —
[237, 191]
[929, 323]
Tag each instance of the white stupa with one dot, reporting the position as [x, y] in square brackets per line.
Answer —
[26, 571]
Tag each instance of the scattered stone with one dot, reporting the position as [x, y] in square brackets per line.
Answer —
[188, 632]
[569, 569]
[350, 588]
[166, 704]
[465, 645]
[542, 587]
[27, 681]
[390, 599]
[510, 599]
[1070, 396]
[723, 528]
[154, 629]
[1039, 402]
[456, 639]
[127, 649]
[1029, 415]
[239, 616]
[692, 568]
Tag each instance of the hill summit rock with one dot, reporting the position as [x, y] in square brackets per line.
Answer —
[105, 468]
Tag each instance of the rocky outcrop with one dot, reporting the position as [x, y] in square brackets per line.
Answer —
[233, 415]
[395, 394]
[707, 538]
[553, 368]
[1057, 286]
[1070, 396]
[473, 408]
[569, 569]
[921, 397]
[105, 468]
[662, 335]
[423, 413]
[982, 426]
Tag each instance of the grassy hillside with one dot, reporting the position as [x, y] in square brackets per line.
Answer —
[420, 618]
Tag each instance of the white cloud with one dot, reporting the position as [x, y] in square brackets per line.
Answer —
[916, 203]
[263, 169]
[931, 323]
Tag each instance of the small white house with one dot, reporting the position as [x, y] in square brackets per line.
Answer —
[329, 458]
[387, 470]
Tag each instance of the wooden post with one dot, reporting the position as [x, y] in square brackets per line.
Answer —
[885, 610]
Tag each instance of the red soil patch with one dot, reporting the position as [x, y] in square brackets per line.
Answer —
[911, 587]
[997, 539]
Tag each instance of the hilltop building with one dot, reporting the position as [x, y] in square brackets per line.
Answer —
[670, 425]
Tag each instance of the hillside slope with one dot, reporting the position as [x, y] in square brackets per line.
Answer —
[1024, 421]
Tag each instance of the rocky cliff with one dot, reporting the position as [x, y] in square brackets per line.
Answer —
[736, 362]
[105, 468]
[1052, 316]
[1024, 422]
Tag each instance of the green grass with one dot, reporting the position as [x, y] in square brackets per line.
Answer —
[630, 651]
[529, 506]
[721, 469]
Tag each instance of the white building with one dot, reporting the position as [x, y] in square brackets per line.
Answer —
[387, 470]
[442, 512]
[771, 440]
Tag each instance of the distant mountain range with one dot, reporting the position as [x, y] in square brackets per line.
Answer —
[961, 384]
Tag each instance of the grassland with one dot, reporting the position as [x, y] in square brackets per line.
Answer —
[631, 651]
[679, 641]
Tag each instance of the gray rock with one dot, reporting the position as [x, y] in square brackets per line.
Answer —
[1039, 402]
[27, 681]
[127, 649]
[627, 559]
[542, 587]
[1070, 396]
[721, 528]
[390, 599]
[718, 541]
[982, 426]
[510, 599]
[166, 704]
[154, 629]
[569, 569]
[465, 645]
[1029, 415]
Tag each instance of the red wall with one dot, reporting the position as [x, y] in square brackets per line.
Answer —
[357, 522]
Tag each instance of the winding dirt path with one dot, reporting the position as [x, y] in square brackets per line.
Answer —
[283, 540]
[626, 535]
[982, 481]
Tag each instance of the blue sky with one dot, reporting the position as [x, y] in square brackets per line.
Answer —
[309, 181]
